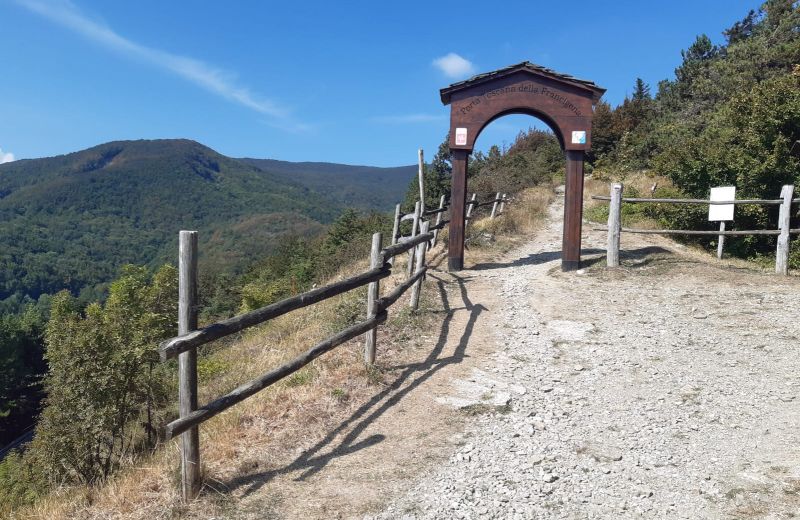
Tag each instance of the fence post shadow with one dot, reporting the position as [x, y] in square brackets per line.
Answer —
[312, 461]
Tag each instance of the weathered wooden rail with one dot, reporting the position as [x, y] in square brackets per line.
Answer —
[190, 337]
[498, 206]
[783, 232]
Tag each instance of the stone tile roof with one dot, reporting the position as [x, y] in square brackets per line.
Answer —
[526, 66]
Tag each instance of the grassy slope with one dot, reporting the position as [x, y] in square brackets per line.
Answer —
[275, 425]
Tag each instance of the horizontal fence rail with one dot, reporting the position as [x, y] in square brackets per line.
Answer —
[184, 346]
[385, 302]
[436, 211]
[784, 231]
[172, 347]
[497, 203]
[405, 245]
[246, 390]
[705, 202]
[711, 233]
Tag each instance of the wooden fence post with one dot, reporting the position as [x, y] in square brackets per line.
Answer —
[494, 206]
[395, 230]
[187, 362]
[470, 207]
[503, 203]
[396, 225]
[373, 293]
[414, 229]
[721, 240]
[784, 219]
[421, 174]
[416, 289]
[438, 220]
[614, 225]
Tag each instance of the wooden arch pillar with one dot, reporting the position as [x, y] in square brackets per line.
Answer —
[563, 102]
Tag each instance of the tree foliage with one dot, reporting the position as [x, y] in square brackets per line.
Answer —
[731, 115]
[533, 158]
[21, 368]
[104, 379]
[299, 263]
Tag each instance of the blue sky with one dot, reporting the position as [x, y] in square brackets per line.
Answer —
[350, 82]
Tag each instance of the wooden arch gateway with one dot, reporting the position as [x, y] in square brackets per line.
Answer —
[563, 102]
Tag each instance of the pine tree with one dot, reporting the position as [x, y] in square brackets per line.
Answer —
[641, 90]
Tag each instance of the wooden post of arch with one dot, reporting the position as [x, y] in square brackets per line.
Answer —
[458, 202]
[564, 102]
[573, 212]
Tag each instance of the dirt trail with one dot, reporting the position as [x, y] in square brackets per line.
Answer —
[662, 389]
[378, 452]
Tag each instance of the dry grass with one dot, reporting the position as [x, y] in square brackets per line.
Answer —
[526, 213]
[639, 182]
[267, 431]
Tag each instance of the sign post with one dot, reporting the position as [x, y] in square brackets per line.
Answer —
[721, 212]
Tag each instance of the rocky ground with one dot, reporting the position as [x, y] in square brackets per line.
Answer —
[666, 388]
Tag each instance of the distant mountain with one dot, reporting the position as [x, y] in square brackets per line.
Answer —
[359, 186]
[71, 221]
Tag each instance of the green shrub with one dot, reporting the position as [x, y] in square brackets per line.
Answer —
[20, 484]
[104, 378]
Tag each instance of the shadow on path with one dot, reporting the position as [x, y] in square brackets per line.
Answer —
[312, 460]
[532, 259]
[644, 253]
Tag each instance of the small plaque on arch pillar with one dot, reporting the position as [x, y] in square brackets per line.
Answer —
[579, 137]
[461, 136]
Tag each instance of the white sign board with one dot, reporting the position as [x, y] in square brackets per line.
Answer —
[461, 136]
[579, 137]
[721, 212]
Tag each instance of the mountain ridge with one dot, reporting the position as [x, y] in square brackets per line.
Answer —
[70, 221]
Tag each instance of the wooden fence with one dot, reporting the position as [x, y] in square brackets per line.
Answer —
[498, 206]
[783, 230]
[184, 346]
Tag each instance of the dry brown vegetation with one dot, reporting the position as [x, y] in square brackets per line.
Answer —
[525, 213]
[281, 422]
[636, 183]
[283, 428]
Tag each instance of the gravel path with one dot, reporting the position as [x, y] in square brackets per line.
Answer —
[663, 389]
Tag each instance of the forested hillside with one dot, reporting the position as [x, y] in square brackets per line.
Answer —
[365, 187]
[730, 116]
[70, 222]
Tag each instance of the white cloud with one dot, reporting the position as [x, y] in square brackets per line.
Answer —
[410, 118]
[454, 66]
[6, 156]
[220, 82]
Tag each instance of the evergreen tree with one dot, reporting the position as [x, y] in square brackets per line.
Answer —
[641, 91]
[604, 134]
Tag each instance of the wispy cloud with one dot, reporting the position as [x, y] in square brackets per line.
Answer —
[6, 156]
[454, 66]
[218, 81]
[410, 118]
